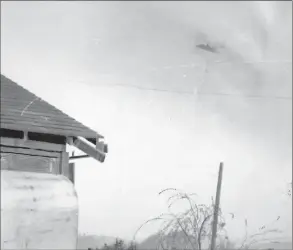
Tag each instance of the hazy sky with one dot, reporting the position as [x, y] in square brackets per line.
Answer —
[170, 112]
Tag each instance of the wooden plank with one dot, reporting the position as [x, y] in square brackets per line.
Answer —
[87, 148]
[4, 160]
[19, 162]
[26, 151]
[47, 130]
[71, 172]
[65, 164]
[78, 157]
[31, 144]
[36, 106]
[22, 96]
[71, 129]
[8, 82]
[14, 92]
[15, 86]
[11, 99]
[45, 112]
[43, 119]
[38, 121]
[102, 147]
[16, 112]
[50, 120]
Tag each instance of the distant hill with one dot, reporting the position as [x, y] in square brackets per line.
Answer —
[178, 242]
[276, 246]
[149, 243]
[93, 241]
[152, 243]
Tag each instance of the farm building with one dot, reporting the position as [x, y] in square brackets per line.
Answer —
[39, 206]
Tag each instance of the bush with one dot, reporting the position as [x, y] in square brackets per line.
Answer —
[190, 229]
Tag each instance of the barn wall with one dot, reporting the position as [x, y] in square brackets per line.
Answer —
[38, 211]
[30, 163]
[33, 156]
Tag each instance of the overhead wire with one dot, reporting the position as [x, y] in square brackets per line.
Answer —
[200, 93]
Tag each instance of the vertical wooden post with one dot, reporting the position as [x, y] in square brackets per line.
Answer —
[64, 163]
[71, 172]
[67, 169]
[216, 208]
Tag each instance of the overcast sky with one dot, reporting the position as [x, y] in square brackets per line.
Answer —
[169, 111]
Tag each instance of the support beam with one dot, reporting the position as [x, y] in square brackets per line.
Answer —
[78, 157]
[86, 147]
[71, 172]
[101, 146]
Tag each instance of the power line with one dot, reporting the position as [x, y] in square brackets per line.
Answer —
[252, 62]
[250, 96]
[235, 62]
[288, 98]
[149, 89]
[199, 93]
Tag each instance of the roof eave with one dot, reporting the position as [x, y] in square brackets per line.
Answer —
[97, 151]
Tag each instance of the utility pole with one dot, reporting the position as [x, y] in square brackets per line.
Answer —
[216, 208]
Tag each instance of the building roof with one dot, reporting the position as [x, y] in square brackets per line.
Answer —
[24, 111]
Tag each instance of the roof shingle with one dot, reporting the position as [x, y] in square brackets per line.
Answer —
[22, 110]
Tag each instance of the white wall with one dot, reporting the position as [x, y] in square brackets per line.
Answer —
[38, 211]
